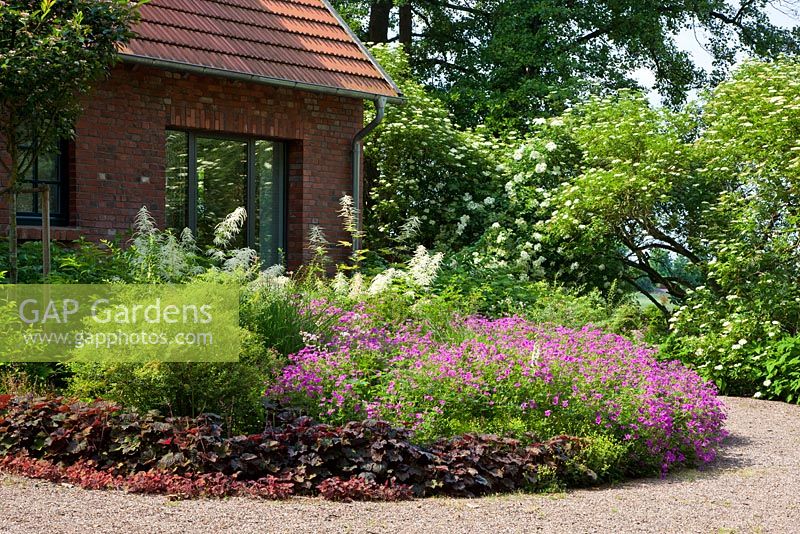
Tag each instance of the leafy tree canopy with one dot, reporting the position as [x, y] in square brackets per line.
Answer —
[50, 53]
[503, 62]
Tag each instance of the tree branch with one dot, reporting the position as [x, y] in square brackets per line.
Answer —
[453, 66]
[679, 248]
[660, 246]
[422, 16]
[736, 20]
[663, 309]
[589, 36]
[670, 283]
[464, 9]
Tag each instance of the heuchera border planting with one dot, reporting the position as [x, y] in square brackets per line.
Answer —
[97, 446]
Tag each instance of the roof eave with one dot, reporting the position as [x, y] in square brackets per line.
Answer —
[266, 80]
[362, 47]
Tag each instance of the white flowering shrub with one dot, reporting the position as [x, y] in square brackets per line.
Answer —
[518, 243]
[742, 328]
[469, 191]
[157, 256]
[423, 267]
[414, 279]
[427, 170]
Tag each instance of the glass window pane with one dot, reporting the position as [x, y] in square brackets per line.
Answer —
[177, 172]
[267, 204]
[48, 166]
[221, 185]
[47, 170]
[25, 203]
[55, 200]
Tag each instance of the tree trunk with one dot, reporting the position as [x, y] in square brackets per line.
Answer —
[379, 21]
[9, 135]
[406, 26]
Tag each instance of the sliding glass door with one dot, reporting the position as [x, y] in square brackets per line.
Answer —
[221, 169]
[208, 177]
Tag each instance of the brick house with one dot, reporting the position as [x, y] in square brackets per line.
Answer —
[218, 104]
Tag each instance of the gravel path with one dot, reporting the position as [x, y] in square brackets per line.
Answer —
[753, 487]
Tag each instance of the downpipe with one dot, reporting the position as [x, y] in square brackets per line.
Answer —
[380, 106]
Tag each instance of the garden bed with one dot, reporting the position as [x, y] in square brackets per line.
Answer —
[510, 376]
[97, 446]
[487, 406]
[750, 487]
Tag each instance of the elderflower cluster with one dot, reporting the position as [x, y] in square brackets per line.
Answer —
[462, 224]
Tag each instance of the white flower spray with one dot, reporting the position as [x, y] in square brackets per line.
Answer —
[225, 233]
[157, 255]
[230, 227]
[423, 267]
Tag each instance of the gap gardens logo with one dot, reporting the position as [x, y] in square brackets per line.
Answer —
[193, 322]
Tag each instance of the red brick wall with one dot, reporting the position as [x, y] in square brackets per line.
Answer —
[118, 157]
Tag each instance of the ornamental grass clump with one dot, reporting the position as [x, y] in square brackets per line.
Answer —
[510, 376]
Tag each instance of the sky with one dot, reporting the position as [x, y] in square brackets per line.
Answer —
[784, 13]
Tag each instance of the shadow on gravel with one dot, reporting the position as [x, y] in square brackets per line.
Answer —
[731, 457]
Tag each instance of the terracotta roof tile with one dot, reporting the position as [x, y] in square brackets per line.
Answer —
[295, 41]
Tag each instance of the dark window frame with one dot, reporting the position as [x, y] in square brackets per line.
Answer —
[280, 170]
[34, 218]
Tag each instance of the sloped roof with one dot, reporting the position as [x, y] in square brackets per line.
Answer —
[299, 43]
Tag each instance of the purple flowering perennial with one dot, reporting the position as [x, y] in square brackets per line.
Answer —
[549, 379]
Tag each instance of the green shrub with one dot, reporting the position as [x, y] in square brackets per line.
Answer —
[431, 288]
[232, 390]
[498, 294]
[19, 378]
[603, 455]
[79, 262]
[727, 349]
[782, 366]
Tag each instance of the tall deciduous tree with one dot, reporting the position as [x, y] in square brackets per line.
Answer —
[50, 53]
[506, 61]
[716, 188]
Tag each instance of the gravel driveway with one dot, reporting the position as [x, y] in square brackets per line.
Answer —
[753, 487]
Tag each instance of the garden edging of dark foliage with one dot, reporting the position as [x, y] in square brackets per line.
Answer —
[98, 446]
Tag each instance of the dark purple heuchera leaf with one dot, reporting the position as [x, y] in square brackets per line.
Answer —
[87, 475]
[363, 489]
[360, 460]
